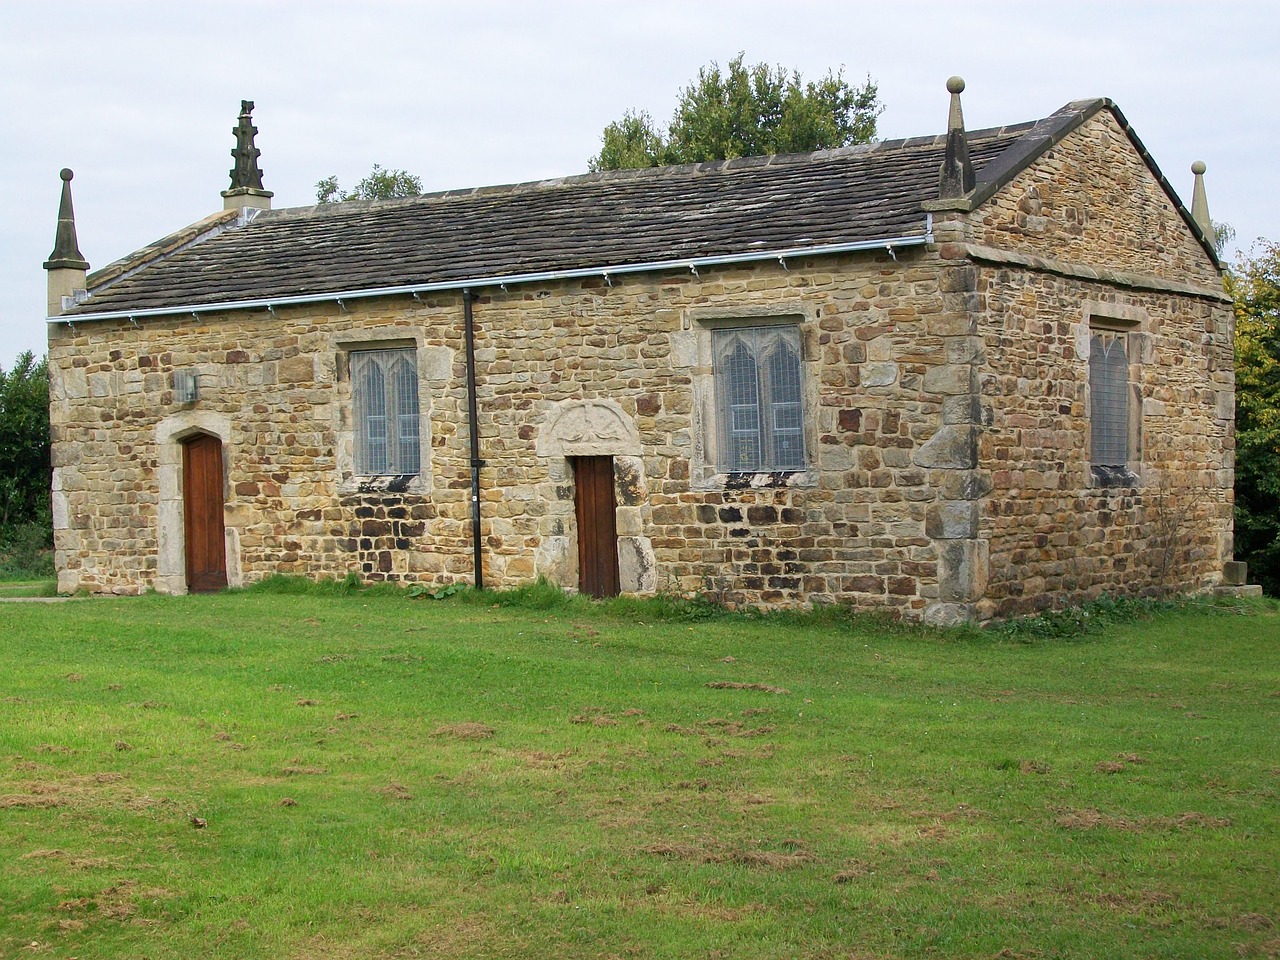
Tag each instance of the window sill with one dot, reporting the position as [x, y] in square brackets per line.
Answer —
[411, 484]
[1113, 477]
[759, 480]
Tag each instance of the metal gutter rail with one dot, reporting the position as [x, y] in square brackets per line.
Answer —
[473, 283]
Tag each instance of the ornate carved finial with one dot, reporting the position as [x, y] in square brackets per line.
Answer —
[956, 178]
[66, 250]
[246, 172]
[1200, 201]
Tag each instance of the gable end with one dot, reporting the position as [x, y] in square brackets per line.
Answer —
[1050, 131]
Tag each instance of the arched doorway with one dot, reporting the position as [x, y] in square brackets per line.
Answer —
[202, 512]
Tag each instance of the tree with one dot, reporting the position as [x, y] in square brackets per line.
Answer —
[745, 112]
[380, 184]
[24, 442]
[629, 143]
[1254, 284]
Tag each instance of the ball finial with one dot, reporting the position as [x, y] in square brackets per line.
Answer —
[1198, 167]
[955, 85]
[66, 174]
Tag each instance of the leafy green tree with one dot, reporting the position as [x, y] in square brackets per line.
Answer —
[631, 142]
[24, 442]
[745, 111]
[380, 184]
[1254, 284]
[1224, 234]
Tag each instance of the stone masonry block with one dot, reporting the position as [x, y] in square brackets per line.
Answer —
[637, 568]
[949, 378]
[952, 520]
[944, 614]
[963, 570]
[878, 374]
[1226, 405]
[958, 280]
[964, 350]
[965, 485]
[953, 447]
[296, 370]
[965, 408]
[557, 560]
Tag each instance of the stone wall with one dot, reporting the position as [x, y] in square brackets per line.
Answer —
[880, 372]
[1091, 208]
[1056, 535]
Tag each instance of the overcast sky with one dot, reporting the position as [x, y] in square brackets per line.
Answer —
[140, 98]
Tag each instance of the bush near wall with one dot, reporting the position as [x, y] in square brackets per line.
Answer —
[26, 528]
[1254, 283]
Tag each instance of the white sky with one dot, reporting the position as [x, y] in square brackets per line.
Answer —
[139, 98]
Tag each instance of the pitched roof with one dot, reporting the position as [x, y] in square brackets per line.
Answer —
[736, 209]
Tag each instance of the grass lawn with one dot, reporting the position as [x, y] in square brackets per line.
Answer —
[27, 588]
[293, 776]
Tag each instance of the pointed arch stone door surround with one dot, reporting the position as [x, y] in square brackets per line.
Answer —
[173, 434]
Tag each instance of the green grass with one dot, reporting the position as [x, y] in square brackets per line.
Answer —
[28, 588]
[528, 775]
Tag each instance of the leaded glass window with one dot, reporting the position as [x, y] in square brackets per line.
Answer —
[759, 399]
[384, 385]
[1108, 399]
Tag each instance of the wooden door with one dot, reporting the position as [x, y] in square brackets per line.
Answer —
[597, 526]
[202, 503]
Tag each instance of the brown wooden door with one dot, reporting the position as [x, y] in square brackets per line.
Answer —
[597, 526]
[202, 504]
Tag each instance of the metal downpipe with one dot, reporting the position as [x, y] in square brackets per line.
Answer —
[469, 335]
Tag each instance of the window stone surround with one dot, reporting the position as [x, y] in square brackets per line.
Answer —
[434, 365]
[692, 348]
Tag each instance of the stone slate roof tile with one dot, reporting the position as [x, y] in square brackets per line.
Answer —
[852, 195]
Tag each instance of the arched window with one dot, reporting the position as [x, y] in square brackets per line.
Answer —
[384, 385]
[759, 399]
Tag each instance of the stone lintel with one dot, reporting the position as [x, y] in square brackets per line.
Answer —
[587, 428]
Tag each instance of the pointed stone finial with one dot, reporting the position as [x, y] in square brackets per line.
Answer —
[1200, 202]
[956, 178]
[66, 250]
[246, 172]
[246, 176]
[66, 266]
